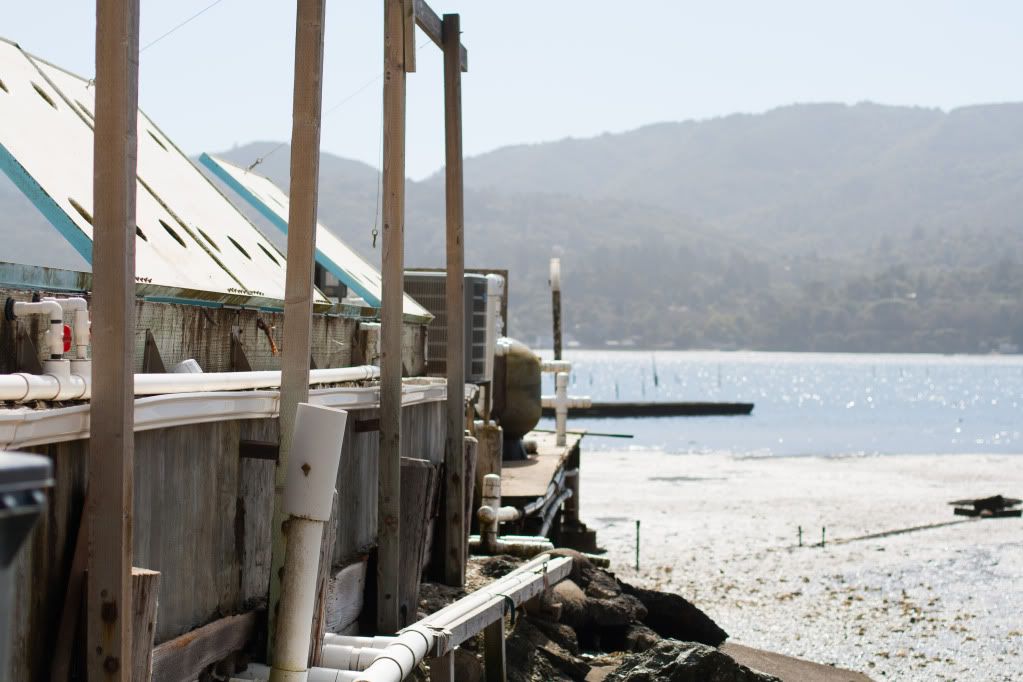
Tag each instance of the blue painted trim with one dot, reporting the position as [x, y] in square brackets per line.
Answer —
[280, 223]
[46, 205]
[183, 301]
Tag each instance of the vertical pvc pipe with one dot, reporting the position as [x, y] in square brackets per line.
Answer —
[308, 494]
[561, 407]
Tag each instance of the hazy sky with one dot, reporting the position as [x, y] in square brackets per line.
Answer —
[546, 70]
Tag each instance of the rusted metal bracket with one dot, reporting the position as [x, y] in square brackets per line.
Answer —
[259, 449]
[239, 361]
[152, 362]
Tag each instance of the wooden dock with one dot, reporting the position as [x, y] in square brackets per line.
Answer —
[525, 481]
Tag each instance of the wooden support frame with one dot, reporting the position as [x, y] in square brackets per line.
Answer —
[433, 27]
[495, 668]
[298, 303]
[455, 523]
[393, 270]
[111, 445]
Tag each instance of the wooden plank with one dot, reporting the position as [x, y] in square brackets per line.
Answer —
[488, 457]
[182, 659]
[494, 667]
[345, 596]
[323, 583]
[409, 33]
[455, 521]
[393, 182]
[145, 597]
[419, 479]
[532, 477]
[115, 151]
[60, 669]
[298, 287]
[431, 24]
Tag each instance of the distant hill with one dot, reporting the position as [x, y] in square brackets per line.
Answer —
[809, 227]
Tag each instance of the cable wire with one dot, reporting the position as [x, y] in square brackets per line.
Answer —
[182, 24]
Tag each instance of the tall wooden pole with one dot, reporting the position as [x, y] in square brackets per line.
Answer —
[298, 286]
[555, 282]
[112, 444]
[389, 491]
[454, 456]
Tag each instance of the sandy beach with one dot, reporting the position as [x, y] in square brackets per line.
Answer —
[937, 604]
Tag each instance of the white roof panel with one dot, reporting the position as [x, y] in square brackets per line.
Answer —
[333, 254]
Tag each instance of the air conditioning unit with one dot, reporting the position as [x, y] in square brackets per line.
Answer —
[482, 312]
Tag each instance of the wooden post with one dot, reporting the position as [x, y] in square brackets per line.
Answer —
[494, 667]
[145, 595]
[442, 668]
[112, 444]
[389, 484]
[298, 287]
[556, 304]
[454, 527]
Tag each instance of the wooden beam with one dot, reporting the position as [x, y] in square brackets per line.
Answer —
[145, 595]
[298, 286]
[433, 27]
[442, 668]
[409, 32]
[183, 658]
[389, 490]
[111, 445]
[494, 666]
[455, 523]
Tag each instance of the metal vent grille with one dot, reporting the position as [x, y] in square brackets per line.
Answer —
[429, 290]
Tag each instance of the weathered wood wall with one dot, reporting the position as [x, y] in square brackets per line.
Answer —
[204, 334]
[202, 518]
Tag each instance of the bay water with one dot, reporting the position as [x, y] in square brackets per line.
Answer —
[807, 403]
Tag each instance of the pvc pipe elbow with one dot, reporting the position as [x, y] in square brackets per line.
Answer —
[486, 515]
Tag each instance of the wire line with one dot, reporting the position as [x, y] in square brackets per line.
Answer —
[183, 23]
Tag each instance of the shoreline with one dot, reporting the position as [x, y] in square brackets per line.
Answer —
[937, 603]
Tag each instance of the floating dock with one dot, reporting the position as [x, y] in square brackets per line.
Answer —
[658, 409]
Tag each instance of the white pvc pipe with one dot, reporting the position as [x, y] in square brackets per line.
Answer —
[495, 293]
[414, 642]
[378, 642]
[561, 402]
[308, 496]
[25, 387]
[257, 672]
[344, 657]
[555, 276]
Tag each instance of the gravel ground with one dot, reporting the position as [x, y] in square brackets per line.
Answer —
[935, 604]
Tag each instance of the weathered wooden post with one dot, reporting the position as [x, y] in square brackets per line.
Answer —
[399, 21]
[112, 443]
[555, 282]
[455, 526]
[298, 287]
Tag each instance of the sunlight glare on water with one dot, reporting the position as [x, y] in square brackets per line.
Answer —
[809, 403]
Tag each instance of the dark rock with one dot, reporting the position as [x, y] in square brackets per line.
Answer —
[580, 563]
[672, 616]
[498, 566]
[674, 661]
[559, 633]
[535, 657]
[599, 583]
[619, 610]
[640, 638]
[573, 603]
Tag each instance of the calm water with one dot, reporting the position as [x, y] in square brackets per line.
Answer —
[809, 403]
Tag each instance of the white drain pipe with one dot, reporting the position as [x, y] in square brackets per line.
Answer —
[257, 672]
[61, 385]
[491, 514]
[81, 329]
[345, 657]
[308, 495]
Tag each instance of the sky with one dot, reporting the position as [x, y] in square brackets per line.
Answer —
[543, 70]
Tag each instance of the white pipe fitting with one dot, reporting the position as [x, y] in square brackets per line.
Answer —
[378, 642]
[555, 276]
[308, 496]
[561, 403]
[81, 330]
[54, 315]
[345, 657]
[555, 366]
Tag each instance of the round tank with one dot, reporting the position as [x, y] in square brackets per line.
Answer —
[520, 409]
